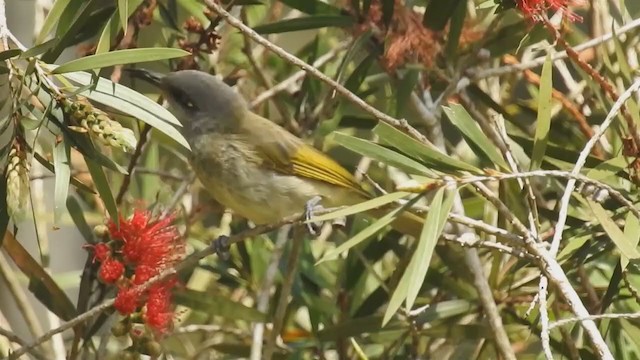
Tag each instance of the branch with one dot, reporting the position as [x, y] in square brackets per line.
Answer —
[235, 22]
[504, 70]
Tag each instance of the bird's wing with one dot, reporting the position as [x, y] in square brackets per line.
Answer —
[288, 154]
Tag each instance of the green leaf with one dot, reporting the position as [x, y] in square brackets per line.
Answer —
[8, 54]
[444, 309]
[39, 49]
[104, 41]
[438, 13]
[361, 236]
[626, 245]
[68, 35]
[102, 185]
[357, 46]
[361, 207]
[217, 305]
[405, 89]
[455, 30]
[631, 232]
[41, 284]
[52, 19]
[543, 122]
[312, 7]
[415, 149]
[473, 134]
[132, 103]
[367, 233]
[119, 57]
[380, 153]
[123, 11]
[4, 213]
[416, 271]
[61, 162]
[74, 181]
[304, 23]
[77, 215]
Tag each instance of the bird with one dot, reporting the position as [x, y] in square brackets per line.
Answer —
[248, 163]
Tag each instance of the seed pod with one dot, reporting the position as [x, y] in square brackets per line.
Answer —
[17, 175]
[100, 126]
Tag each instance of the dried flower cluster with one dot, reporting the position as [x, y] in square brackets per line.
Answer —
[199, 40]
[98, 124]
[533, 9]
[17, 174]
[407, 40]
[139, 249]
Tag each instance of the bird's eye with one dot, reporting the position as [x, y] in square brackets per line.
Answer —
[182, 98]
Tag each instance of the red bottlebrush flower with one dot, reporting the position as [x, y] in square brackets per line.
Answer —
[111, 270]
[532, 9]
[152, 242]
[143, 273]
[127, 301]
[159, 315]
[101, 251]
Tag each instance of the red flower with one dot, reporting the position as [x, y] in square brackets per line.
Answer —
[159, 315]
[127, 301]
[152, 242]
[111, 270]
[101, 251]
[532, 9]
[146, 246]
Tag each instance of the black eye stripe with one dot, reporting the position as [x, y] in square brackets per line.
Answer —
[182, 98]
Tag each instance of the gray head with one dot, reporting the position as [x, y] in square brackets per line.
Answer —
[202, 102]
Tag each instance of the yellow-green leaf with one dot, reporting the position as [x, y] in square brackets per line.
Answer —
[119, 57]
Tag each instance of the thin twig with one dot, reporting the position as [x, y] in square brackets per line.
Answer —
[582, 158]
[297, 76]
[509, 69]
[188, 262]
[262, 303]
[285, 291]
[553, 271]
[564, 322]
[235, 22]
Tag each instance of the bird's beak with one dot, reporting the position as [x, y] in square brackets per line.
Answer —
[152, 77]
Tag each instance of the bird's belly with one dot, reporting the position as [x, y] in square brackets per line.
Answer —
[259, 194]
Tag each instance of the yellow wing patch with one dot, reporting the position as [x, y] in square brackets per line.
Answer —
[288, 154]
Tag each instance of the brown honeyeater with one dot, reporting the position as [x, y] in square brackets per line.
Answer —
[250, 164]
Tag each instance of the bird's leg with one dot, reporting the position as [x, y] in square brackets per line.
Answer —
[309, 208]
[221, 246]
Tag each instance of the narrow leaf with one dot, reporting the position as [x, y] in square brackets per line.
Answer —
[40, 282]
[102, 186]
[132, 103]
[380, 153]
[543, 122]
[416, 271]
[473, 134]
[626, 245]
[305, 23]
[217, 305]
[52, 19]
[631, 232]
[119, 57]
[123, 11]
[361, 207]
[61, 161]
[415, 149]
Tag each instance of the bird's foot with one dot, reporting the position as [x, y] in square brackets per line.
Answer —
[309, 209]
[221, 246]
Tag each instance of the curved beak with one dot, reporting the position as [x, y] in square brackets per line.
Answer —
[152, 77]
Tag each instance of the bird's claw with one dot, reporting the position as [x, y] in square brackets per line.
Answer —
[221, 246]
[309, 208]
